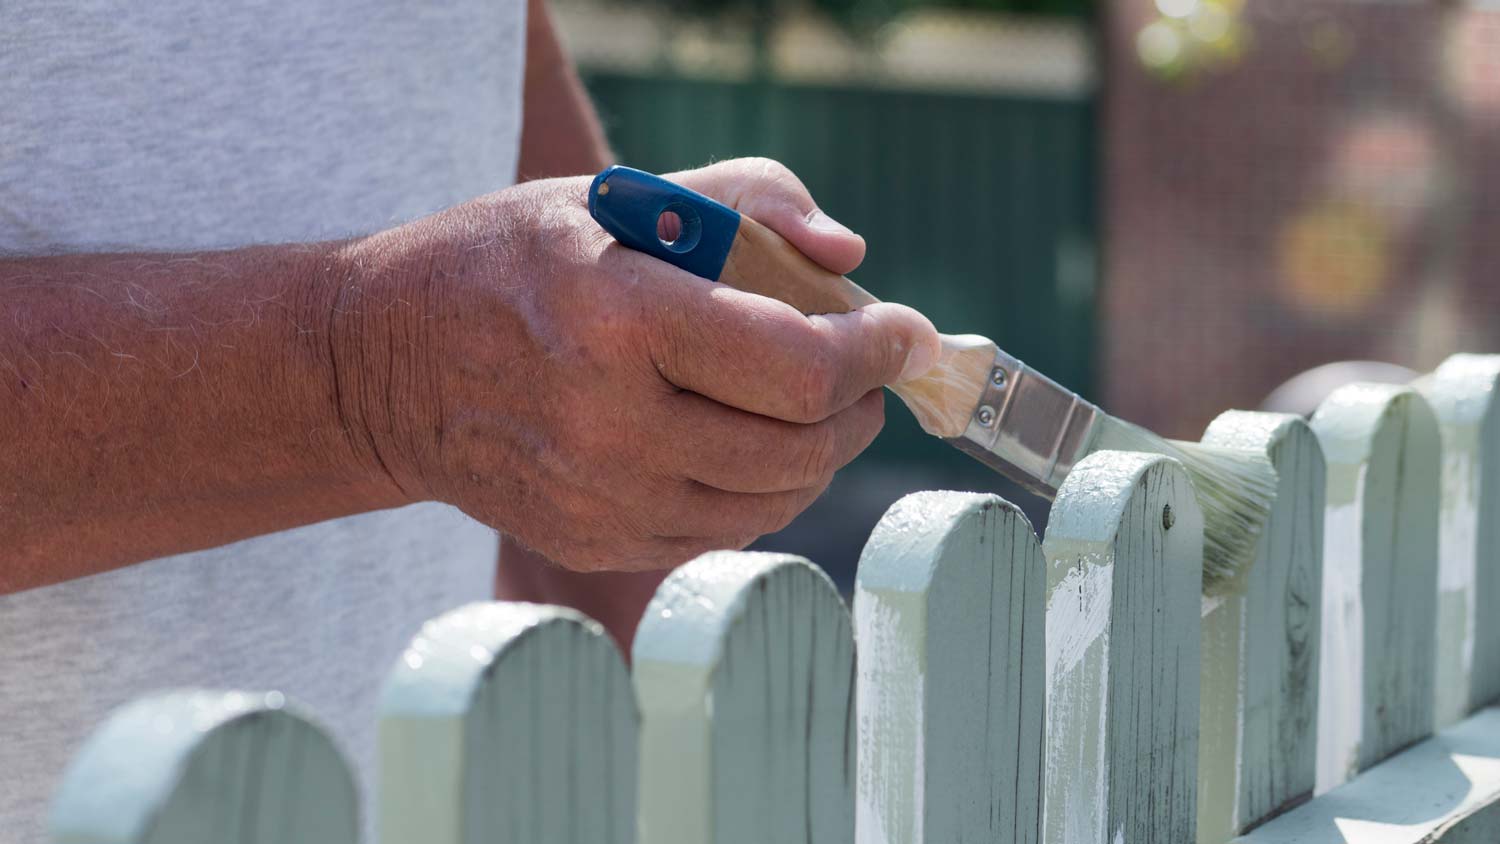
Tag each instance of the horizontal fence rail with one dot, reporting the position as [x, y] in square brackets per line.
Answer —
[988, 686]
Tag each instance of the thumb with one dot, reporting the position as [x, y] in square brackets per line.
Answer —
[773, 196]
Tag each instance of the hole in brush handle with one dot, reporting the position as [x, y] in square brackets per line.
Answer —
[630, 203]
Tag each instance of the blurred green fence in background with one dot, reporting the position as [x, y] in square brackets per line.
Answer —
[979, 210]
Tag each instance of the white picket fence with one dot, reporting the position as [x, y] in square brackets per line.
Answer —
[987, 688]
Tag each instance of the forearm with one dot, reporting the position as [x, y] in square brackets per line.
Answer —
[155, 404]
[560, 131]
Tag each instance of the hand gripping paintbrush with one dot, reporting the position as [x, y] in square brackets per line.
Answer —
[978, 398]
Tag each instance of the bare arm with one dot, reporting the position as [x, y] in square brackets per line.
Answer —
[155, 404]
[560, 132]
[504, 356]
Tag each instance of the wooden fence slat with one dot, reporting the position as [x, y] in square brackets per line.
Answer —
[508, 722]
[1124, 551]
[1259, 707]
[1464, 392]
[744, 672]
[192, 766]
[1380, 576]
[948, 614]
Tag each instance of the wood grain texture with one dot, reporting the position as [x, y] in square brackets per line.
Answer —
[761, 261]
[744, 671]
[1445, 789]
[949, 615]
[508, 722]
[1259, 688]
[1380, 576]
[1124, 551]
[197, 766]
[1463, 393]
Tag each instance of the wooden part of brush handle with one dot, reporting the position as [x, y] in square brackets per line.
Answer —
[761, 261]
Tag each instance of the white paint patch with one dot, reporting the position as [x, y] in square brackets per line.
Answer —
[1341, 669]
[1078, 613]
[1077, 645]
[889, 719]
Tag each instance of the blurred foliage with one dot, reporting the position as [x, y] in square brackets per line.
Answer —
[1191, 37]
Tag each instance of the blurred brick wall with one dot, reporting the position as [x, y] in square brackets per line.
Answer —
[1327, 190]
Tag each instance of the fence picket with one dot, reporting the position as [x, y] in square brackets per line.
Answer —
[1259, 707]
[192, 766]
[948, 610]
[1080, 690]
[1124, 553]
[508, 722]
[744, 671]
[1380, 576]
[1464, 392]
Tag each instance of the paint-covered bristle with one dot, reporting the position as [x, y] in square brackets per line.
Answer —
[1235, 489]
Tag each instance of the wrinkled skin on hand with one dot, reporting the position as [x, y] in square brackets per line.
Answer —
[601, 406]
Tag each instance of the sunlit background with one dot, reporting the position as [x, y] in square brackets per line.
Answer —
[1174, 206]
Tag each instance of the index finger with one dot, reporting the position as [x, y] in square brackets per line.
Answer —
[763, 356]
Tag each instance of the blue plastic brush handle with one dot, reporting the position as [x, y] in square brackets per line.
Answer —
[627, 203]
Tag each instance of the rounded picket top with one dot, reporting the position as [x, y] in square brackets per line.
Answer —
[508, 721]
[1124, 551]
[948, 613]
[1260, 641]
[192, 766]
[1380, 575]
[744, 672]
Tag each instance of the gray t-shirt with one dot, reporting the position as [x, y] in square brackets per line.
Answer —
[173, 124]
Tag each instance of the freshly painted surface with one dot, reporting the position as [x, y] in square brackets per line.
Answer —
[744, 673]
[1259, 707]
[1124, 552]
[948, 614]
[188, 767]
[1380, 576]
[508, 722]
[1446, 789]
[1463, 393]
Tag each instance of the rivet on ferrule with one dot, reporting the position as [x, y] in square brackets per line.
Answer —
[997, 376]
[986, 415]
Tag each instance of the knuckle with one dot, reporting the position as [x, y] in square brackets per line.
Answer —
[765, 183]
[818, 389]
[819, 455]
[770, 169]
[780, 511]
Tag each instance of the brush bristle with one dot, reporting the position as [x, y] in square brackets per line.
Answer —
[1235, 488]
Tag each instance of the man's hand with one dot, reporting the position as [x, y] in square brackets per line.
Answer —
[604, 407]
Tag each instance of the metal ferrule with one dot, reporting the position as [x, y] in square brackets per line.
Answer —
[1028, 427]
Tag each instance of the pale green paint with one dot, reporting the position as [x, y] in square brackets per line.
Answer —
[189, 767]
[1446, 789]
[1380, 576]
[508, 722]
[1463, 393]
[948, 613]
[744, 673]
[1122, 644]
[1257, 733]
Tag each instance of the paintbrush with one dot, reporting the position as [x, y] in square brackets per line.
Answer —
[978, 398]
